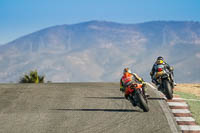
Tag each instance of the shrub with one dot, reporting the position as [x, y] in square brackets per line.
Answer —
[32, 77]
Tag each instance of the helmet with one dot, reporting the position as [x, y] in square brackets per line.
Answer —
[159, 61]
[127, 70]
[160, 58]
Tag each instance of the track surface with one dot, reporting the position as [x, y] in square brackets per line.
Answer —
[76, 108]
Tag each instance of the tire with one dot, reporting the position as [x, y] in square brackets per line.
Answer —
[143, 104]
[168, 89]
[133, 102]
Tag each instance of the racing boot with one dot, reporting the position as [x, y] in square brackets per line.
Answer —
[122, 89]
[174, 83]
[126, 96]
[145, 90]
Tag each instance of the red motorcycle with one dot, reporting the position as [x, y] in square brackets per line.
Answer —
[137, 96]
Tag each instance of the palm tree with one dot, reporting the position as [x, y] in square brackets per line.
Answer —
[33, 77]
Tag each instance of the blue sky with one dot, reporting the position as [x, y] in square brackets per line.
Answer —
[21, 17]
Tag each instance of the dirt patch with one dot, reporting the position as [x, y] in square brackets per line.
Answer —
[189, 88]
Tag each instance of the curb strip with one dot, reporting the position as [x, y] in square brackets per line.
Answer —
[182, 115]
[181, 112]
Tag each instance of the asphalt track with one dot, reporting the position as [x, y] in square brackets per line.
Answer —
[79, 108]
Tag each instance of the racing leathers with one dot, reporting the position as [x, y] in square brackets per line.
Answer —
[127, 79]
[166, 67]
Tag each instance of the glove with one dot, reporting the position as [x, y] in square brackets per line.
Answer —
[171, 69]
[151, 74]
[143, 84]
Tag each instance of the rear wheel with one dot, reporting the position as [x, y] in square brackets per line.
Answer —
[168, 89]
[143, 104]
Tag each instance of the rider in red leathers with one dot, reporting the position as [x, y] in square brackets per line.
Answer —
[127, 79]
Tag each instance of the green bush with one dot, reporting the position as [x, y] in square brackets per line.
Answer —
[32, 77]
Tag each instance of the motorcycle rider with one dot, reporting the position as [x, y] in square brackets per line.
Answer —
[129, 78]
[160, 61]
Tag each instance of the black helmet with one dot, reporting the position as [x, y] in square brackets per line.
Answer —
[160, 58]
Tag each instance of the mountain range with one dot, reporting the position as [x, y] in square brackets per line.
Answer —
[99, 50]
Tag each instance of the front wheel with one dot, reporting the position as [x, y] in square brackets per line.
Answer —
[143, 104]
[168, 89]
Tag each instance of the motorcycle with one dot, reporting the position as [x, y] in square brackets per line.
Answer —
[137, 96]
[165, 81]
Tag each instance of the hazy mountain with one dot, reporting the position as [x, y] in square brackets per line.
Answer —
[99, 50]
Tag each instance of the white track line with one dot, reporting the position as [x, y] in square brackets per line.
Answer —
[177, 98]
[184, 119]
[190, 127]
[180, 111]
[153, 87]
[183, 104]
[168, 115]
[192, 100]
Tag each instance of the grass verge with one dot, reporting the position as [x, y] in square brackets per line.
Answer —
[193, 105]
